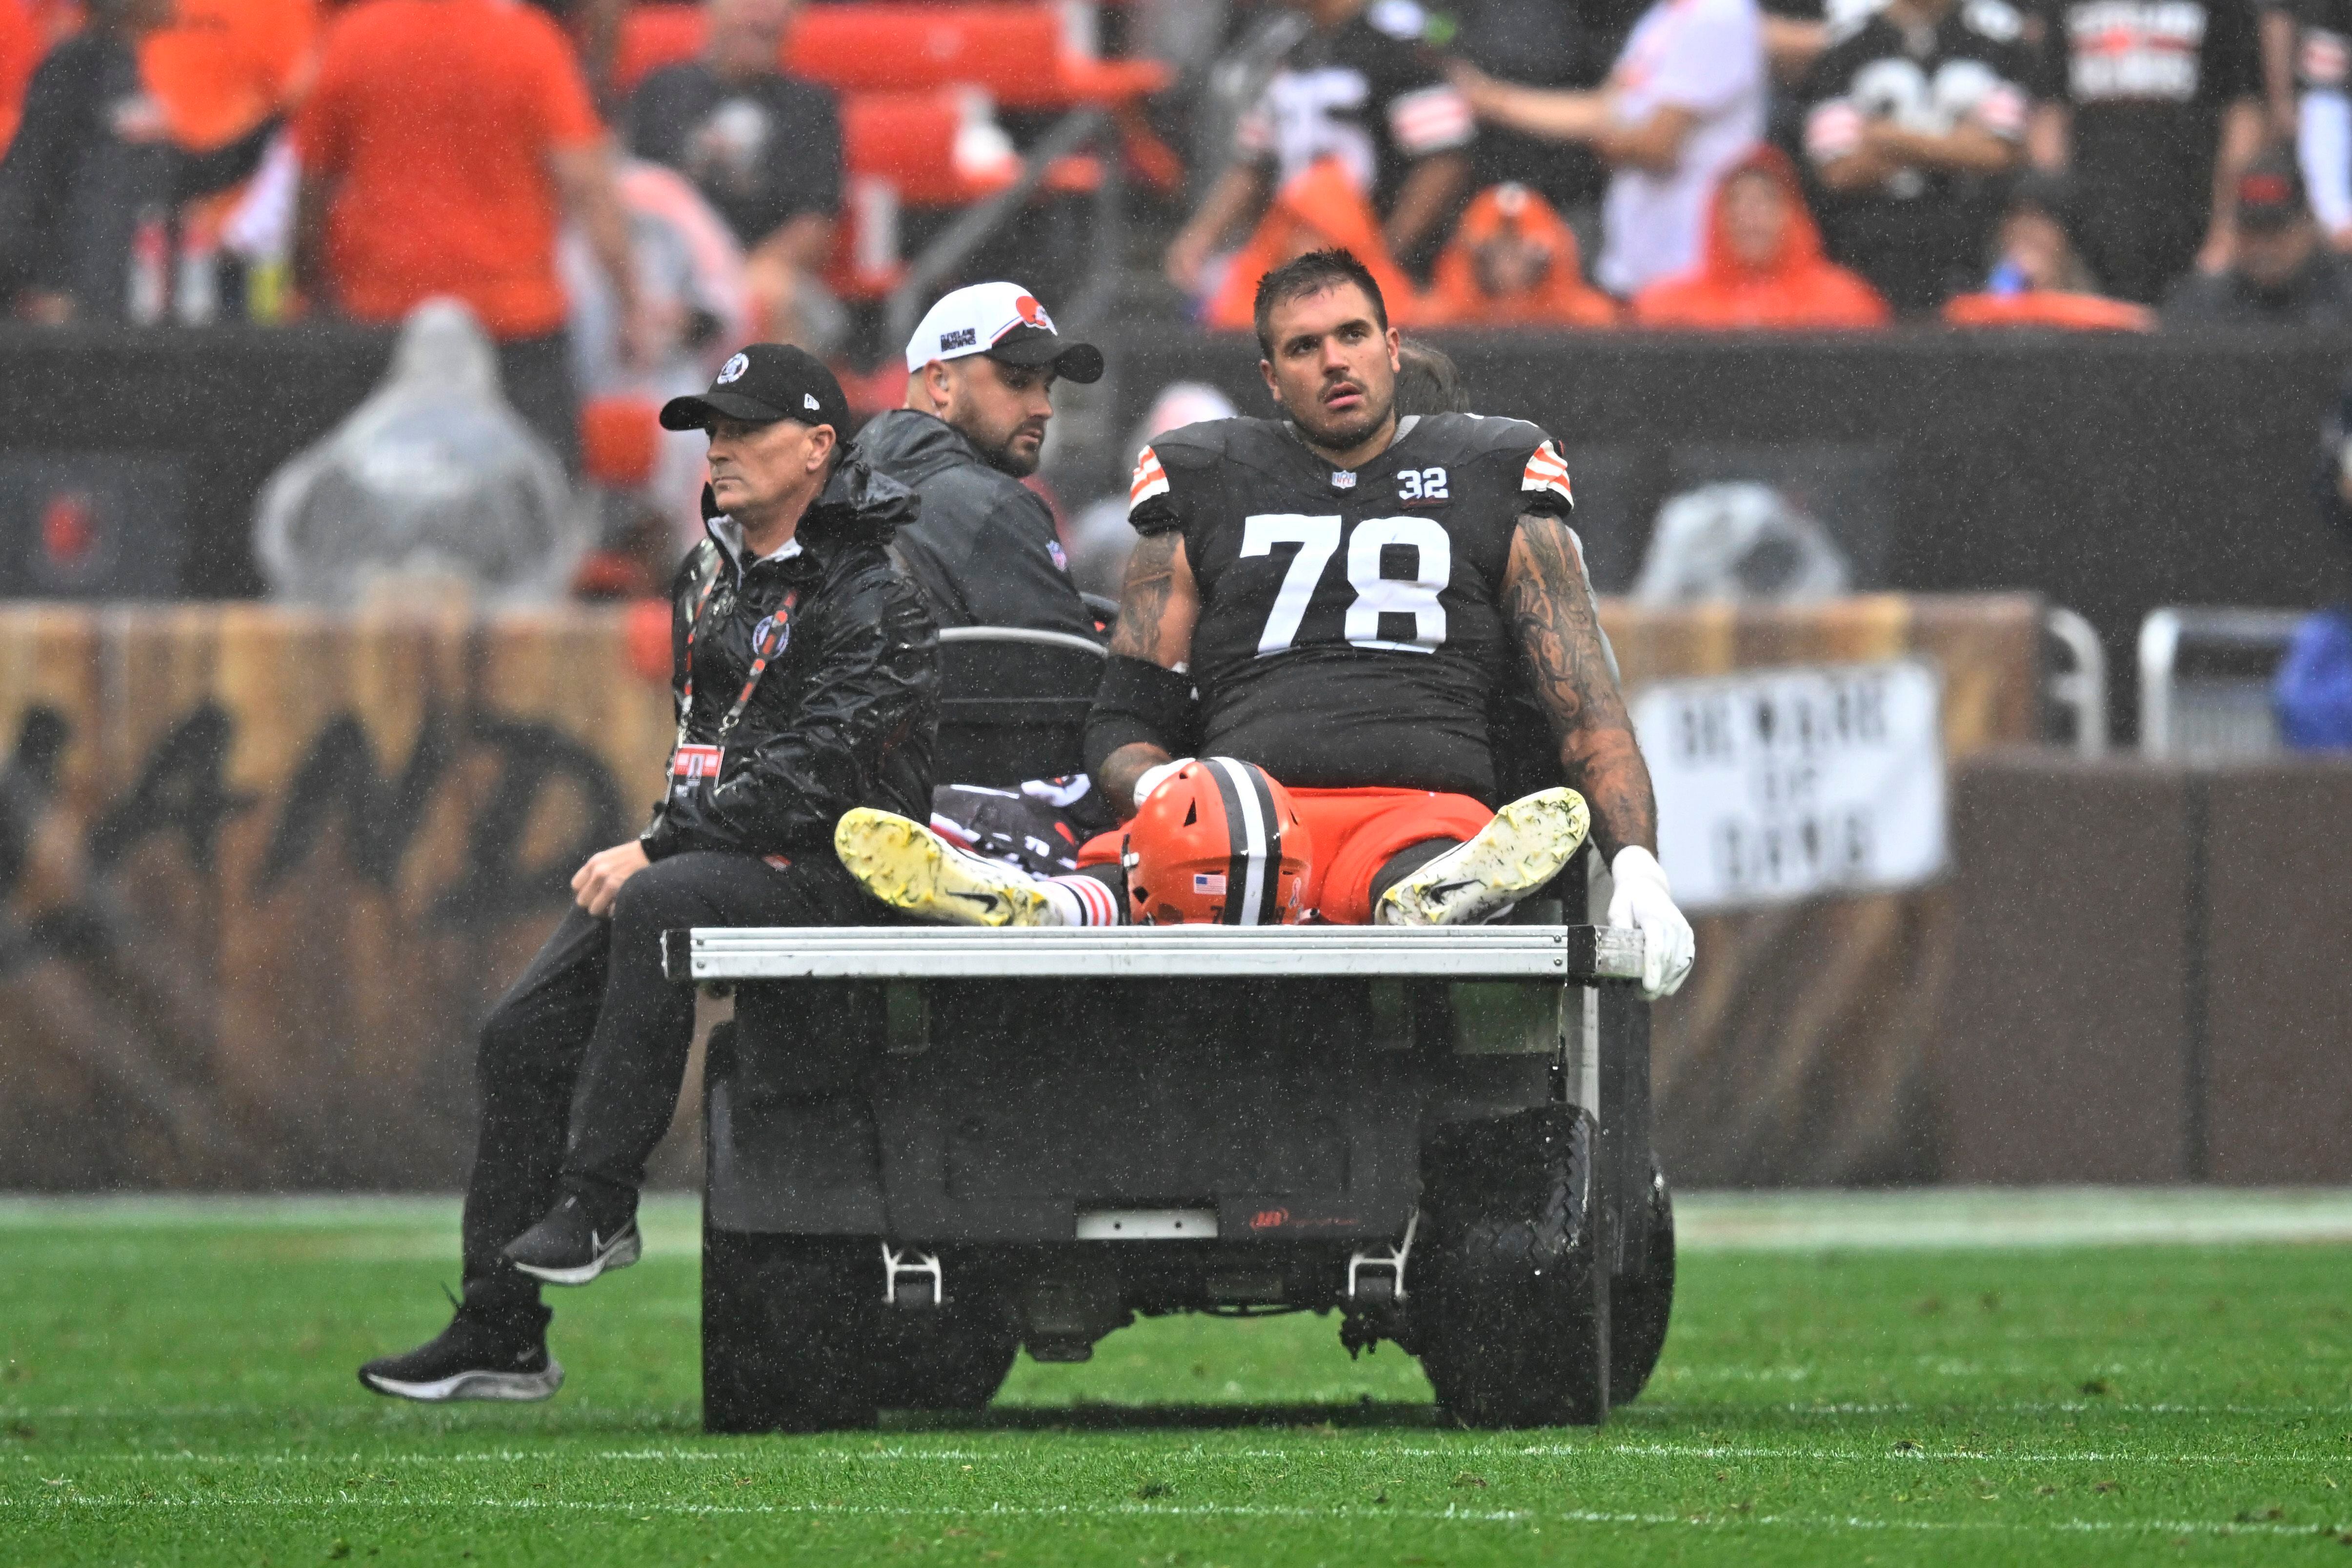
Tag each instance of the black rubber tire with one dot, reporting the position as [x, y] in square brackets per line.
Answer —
[953, 1360]
[1639, 1306]
[1506, 1321]
[787, 1335]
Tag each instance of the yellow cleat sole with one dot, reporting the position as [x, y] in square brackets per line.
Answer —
[914, 870]
[1525, 846]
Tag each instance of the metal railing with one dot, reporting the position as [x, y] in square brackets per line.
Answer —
[2205, 679]
[2081, 689]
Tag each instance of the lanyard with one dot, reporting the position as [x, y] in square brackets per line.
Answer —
[769, 641]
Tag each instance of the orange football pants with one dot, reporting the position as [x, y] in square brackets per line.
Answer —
[1355, 831]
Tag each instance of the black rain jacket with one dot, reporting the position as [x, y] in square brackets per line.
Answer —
[847, 711]
[984, 548]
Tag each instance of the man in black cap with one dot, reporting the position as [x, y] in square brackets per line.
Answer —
[805, 673]
[980, 376]
[2281, 274]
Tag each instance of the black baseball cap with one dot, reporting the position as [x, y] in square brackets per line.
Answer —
[761, 384]
[2270, 192]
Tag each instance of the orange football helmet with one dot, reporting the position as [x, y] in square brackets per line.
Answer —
[1219, 843]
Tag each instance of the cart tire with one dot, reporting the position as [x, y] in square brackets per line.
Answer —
[953, 1360]
[1509, 1322]
[1639, 1305]
[786, 1334]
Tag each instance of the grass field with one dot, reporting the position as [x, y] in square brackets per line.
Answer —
[2062, 1378]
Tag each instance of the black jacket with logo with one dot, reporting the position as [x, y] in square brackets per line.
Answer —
[848, 709]
[984, 548]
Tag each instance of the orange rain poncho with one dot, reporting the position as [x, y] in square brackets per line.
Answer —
[1800, 288]
[1562, 298]
[1318, 209]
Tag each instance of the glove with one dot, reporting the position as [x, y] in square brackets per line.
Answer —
[1643, 902]
[1153, 777]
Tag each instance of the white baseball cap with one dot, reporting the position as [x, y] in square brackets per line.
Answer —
[1005, 322]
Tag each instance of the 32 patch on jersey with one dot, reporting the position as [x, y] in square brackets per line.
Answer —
[1547, 472]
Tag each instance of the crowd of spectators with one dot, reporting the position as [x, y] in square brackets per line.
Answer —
[1695, 164]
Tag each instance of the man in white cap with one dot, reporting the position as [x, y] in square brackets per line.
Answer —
[980, 378]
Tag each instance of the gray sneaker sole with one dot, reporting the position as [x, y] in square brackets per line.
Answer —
[513, 1387]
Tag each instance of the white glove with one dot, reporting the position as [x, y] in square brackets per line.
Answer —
[1645, 902]
[1153, 777]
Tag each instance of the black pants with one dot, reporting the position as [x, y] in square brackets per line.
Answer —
[581, 1060]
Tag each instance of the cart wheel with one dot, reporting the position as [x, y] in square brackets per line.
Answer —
[953, 1359]
[1639, 1305]
[1509, 1320]
[786, 1342]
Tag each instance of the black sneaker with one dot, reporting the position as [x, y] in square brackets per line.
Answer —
[477, 1356]
[567, 1248]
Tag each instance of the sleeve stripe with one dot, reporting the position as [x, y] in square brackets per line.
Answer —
[1547, 471]
[1150, 480]
[1431, 119]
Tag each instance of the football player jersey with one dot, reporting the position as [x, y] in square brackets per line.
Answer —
[1920, 236]
[1350, 632]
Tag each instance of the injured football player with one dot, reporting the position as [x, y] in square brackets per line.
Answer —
[1334, 600]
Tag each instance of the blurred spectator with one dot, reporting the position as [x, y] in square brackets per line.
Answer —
[1764, 265]
[1512, 260]
[2281, 274]
[765, 150]
[2276, 27]
[2039, 278]
[442, 144]
[2154, 105]
[1099, 537]
[1359, 88]
[1683, 101]
[1428, 381]
[93, 186]
[695, 303]
[1910, 119]
[2036, 247]
[2324, 137]
[1537, 43]
[433, 482]
[21, 48]
[224, 66]
[1320, 208]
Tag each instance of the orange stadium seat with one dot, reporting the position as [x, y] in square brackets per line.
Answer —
[911, 48]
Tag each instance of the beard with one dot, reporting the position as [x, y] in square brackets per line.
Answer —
[1009, 459]
[1339, 432]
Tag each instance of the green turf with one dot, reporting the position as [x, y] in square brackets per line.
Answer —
[175, 1386]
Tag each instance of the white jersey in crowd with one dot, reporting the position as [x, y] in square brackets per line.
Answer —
[1706, 56]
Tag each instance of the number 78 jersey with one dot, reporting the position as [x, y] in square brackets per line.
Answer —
[1350, 632]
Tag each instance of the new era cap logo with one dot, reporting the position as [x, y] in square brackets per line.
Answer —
[734, 368]
[808, 401]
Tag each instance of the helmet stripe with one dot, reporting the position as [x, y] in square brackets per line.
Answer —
[1244, 835]
[1267, 876]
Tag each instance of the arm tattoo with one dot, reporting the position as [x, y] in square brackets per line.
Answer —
[1145, 596]
[1158, 604]
[1552, 619]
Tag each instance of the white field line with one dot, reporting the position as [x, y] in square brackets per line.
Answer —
[1922, 1219]
[66, 1496]
[1196, 1455]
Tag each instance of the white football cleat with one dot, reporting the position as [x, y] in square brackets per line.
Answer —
[912, 869]
[1521, 849]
